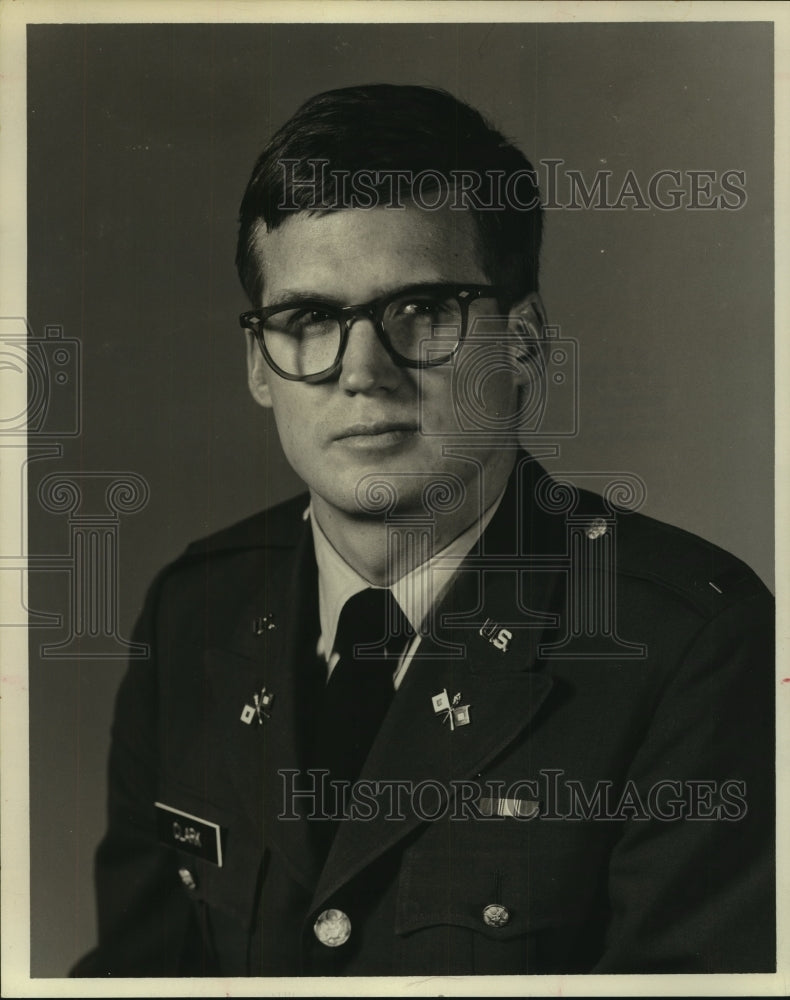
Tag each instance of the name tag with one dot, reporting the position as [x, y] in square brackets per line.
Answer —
[189, 833]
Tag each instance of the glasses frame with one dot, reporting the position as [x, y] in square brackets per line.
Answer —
[254, 320]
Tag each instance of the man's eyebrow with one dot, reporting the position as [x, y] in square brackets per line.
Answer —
[289, 296]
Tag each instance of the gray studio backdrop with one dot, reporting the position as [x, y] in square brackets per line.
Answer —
[140, 141]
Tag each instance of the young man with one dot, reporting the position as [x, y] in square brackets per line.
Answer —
[439, 715]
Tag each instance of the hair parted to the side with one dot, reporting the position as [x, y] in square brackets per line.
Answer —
[396, 132]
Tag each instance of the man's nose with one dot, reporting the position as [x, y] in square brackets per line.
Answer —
[366, 365]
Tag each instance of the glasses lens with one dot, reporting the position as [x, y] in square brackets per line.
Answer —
[302, 341]
[424, 326]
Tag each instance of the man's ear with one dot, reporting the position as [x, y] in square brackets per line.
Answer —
[257, 372]
[527, 324]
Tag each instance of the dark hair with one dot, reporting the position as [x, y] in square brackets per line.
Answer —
[382, 129]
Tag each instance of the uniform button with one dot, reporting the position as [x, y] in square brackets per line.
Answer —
[332, 928]
[596, 529]
[187, 878]
[496, 915]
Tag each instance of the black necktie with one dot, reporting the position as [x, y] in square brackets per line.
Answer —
[372, 633]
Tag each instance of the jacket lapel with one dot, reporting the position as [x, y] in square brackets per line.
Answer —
[260, 755]
[503, 687]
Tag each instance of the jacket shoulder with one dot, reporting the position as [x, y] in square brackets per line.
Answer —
[693, 568]
[249, 540]
[668, 560]
[275, 527]
[201, 591]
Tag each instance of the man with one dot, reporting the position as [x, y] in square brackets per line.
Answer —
[442, 714]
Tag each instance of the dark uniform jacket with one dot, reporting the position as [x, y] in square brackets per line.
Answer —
[611, 796]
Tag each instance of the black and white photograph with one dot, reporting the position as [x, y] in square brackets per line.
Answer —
[389, 565]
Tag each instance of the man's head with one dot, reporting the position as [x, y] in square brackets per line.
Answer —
[339, 213]
[419, 140]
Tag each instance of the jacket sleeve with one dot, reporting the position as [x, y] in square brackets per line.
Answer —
[696, 893]
[146, 924]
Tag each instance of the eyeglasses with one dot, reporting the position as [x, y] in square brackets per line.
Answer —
[420, 327]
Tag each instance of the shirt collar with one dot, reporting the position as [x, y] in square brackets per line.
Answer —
[417, 592]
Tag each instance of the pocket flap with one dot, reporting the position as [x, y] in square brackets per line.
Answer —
[218, 860]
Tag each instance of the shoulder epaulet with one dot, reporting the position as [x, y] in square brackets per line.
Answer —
[695, 569]
[277, 527]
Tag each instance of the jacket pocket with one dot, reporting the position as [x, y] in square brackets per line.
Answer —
[507, 887]
[224, 889]
[465, 891]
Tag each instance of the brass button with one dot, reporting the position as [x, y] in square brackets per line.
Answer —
[332, 928]
[187, 878]
[596, 529]
[496, 915]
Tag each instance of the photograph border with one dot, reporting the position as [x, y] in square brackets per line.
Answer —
[14, 16]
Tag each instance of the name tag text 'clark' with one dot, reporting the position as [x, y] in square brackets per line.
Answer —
[189, 833]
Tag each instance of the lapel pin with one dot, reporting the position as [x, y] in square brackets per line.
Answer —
[263, 624]
[257, 710]
[455, 713]
[498, 637]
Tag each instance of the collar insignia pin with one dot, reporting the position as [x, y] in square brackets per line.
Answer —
[452, 712]
[261, 702]
[497, 636]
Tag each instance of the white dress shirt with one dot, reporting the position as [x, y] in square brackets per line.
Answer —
[416, 592]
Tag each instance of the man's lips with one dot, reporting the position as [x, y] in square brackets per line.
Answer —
[377, 428]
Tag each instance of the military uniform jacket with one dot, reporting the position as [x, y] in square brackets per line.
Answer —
[608, 808]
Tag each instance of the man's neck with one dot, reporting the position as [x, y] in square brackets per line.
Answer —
[382, 551]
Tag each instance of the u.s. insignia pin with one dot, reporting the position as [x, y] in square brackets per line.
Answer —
[497, 636]
[264, 623]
